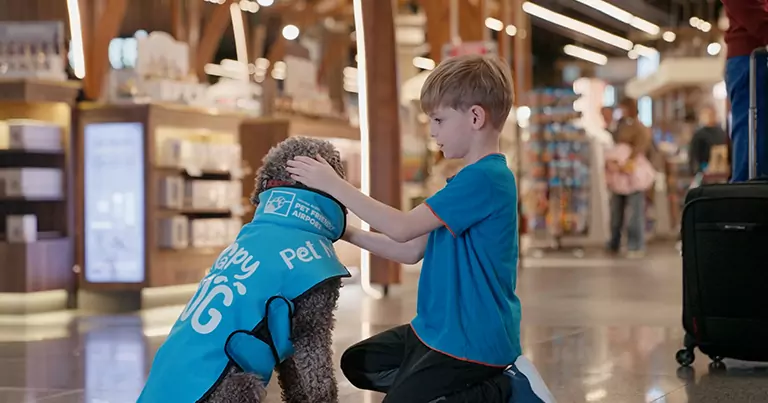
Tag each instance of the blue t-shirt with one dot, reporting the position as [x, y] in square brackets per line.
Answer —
[467, 307]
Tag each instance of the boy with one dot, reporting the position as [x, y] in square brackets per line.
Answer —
[467, 328]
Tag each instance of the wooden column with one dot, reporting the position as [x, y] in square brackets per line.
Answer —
[258, 36]
[523, 66]
[438, 13]
[335, 59]
[505, 41]
[438, 27]
[194, 19]
[178, 25]
[383, 118]
[471, 21]
[101, 21]
[215, 26]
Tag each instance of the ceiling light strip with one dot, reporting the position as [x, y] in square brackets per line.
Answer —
[577, 26]
[622, 15]
[585, 54]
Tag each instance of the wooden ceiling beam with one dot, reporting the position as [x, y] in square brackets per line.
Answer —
[178, 23]
[103, 27]
[217, 24]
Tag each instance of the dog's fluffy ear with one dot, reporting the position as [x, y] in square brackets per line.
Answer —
[274, 163]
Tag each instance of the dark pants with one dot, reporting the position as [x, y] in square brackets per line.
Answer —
[397, 363]
[737, 83]
[636, 225]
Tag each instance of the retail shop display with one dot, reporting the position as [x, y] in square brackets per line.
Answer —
[162, 193]
[557, 157]
[36, 189]
[32, 50]
[162, 74]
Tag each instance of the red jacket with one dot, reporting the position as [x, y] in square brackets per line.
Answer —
[748, 26]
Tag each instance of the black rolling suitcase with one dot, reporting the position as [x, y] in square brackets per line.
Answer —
[725, 263]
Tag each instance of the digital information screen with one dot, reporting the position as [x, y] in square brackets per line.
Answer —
[114, 203]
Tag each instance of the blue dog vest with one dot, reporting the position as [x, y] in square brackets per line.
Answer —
[240, 316]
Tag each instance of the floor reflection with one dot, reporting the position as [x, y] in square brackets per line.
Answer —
[599, 330]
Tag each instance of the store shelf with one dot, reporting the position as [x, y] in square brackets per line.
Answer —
[557, 161]
[193, 213]
[38, 91]
[41, 236]
[38, 266]
[45, 264]
[196, 174]
[4, 153]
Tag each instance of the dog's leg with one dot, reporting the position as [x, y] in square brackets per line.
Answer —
[308, 376]
[238, 387]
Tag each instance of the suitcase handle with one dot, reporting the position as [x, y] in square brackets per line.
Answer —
[753, 110]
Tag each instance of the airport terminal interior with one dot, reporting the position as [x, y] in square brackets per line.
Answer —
[132, 132]
[599, 329]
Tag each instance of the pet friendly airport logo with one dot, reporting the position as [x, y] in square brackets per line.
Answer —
[280, 203]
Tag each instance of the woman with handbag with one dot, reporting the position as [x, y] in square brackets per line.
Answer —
[629, 174]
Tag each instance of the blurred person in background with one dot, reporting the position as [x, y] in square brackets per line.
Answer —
[708, 135]
[610, 123]
[747, 30]
[632, 134]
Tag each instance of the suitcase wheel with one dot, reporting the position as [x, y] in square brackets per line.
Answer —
[717, 366]
[685, 357]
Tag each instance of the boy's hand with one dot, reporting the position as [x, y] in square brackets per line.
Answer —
[315, 173]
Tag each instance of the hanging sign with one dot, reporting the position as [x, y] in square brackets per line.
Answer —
[470, 48]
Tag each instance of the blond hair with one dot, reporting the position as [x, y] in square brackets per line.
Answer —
[463, 81]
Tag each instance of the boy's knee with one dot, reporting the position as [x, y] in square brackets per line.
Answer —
[351, 368]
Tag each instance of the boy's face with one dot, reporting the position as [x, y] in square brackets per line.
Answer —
[452, 130]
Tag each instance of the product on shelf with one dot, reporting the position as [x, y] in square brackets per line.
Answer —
[32, 49]
[200, 156]
[174, 233]
[200, 186]
[557, 157]
[212, 194]
[21, 228]
[30, 135]
[32, 183]
[213, 232]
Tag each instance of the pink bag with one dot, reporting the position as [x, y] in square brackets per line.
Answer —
[641, 177]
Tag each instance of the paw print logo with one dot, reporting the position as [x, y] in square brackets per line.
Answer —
[279, 203]
[275, 204]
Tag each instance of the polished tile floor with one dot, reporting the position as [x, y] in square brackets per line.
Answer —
[598, 329]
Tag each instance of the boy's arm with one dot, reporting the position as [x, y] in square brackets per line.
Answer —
[400, 226]
[397, 225]
[410, 252]
[467, 199]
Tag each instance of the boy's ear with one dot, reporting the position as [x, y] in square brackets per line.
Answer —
[477, 114]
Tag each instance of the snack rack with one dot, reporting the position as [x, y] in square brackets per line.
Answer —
[557, 155]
